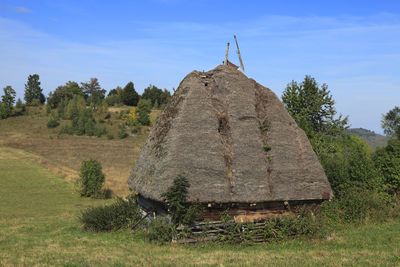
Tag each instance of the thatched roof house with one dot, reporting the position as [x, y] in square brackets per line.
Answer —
[235, 142]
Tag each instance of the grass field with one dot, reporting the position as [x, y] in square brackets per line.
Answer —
[63, 154]
[39, 226]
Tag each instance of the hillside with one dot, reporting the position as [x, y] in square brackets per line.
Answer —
[63, 154]
[373, 139]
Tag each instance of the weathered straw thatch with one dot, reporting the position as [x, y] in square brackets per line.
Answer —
[234, 141]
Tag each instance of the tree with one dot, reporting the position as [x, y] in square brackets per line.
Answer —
[114, 96]
[143, 110]
[93, 92]
[7, 102]
[129, 95]
[391, 122]
[175, 198]
[91, 178]
[347, 161]
[116, 91]
[312, 107]
[33, 90]
[67, 91]
[19, 104]
[156, 95]
[387, 160]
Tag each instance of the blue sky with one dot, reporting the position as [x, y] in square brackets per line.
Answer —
[353, 46]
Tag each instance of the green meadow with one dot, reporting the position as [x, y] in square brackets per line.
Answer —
[39, 226]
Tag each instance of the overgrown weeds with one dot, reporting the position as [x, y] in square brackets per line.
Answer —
[160, 230]
[121, 214]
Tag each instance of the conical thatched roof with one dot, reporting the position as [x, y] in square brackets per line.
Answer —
[234, 141]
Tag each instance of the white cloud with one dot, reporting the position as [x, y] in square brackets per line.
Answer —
[357, 56]
[21, 9]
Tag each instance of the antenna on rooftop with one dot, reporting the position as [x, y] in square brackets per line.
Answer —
[238, 51]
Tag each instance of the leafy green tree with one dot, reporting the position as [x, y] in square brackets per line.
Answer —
[129, 95]
[91, 178]
[312, 107]
[116, 91]
[74, 107]
[156, 95]
[113, 100]
[347, 161]
[7, 102]
[33, 90]
[19, 104]
[387, 160]
[67, 91]
[122, 131]
[143, 111]
[114, 96]
[93, 91]
[4, 111]
[175, 198]
[391, 122]
[53, 121]
[84, 124]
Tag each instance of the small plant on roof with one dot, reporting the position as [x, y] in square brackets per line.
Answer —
[267, 148]
[265, 126]
[175, 197]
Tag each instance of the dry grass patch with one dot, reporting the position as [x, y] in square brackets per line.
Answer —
[63, 154]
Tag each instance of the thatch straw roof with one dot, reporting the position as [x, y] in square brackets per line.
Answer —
[234, 141]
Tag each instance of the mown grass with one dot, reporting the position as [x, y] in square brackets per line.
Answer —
[63, 154]
[39, 226]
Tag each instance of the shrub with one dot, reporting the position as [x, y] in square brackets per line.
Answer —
[110, 136]
[66, 129]
[101, 111]
[282, 227]
[347, 162]
[53, 120]
[74, 107]
[175, 198]
[122, 131]
[91, 179]
[130, 118]
[143, 111]
[19, 104]
[355, 206]
[36, 102]
[61, 108]
[48, 109]
[5, 111]
[123, 113]
[118, 215]
[136, 129]
[113, 100]
[387, 160]
[52, 123]
[160, 230]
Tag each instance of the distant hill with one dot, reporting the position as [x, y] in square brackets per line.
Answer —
[373, 139]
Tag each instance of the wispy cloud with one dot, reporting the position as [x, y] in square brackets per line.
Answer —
[21, 9]
[355, 56]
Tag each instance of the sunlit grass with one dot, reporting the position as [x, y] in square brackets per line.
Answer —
[39, 226]
[63, 154]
